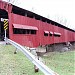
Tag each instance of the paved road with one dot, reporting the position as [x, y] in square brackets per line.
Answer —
[2, 42]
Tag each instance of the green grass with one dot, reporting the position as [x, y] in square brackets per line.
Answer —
[62, 63]
[15, 64]
[18, 64]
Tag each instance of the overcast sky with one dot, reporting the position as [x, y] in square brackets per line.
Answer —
[62, 11]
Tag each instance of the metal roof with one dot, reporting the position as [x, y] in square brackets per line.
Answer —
[24, 27]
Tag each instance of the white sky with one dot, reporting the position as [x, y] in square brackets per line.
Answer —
[61, 11]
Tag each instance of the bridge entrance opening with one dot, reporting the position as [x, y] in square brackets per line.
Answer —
[3, 15]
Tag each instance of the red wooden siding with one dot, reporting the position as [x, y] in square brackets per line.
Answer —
[39, 38]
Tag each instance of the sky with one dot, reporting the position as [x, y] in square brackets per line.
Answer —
[61, 11]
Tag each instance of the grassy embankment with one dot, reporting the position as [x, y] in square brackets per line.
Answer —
[18, 64]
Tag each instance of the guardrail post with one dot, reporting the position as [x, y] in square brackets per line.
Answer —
[36, 68]
[15, 52]
[5, 37]
[33, 51]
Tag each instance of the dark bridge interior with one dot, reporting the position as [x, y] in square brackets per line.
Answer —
[3, 15]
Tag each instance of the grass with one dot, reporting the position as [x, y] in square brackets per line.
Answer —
[62, 63]
[15, 64]
[18, 64]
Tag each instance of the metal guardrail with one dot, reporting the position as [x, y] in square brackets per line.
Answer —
[35, 61]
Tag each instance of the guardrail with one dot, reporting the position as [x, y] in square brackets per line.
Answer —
[35, 61]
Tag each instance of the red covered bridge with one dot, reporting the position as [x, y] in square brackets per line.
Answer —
[30, 29]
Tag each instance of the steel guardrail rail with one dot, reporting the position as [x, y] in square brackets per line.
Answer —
[35, 61]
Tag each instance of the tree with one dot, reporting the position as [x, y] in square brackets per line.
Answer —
[62, 20]
[14, 2]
